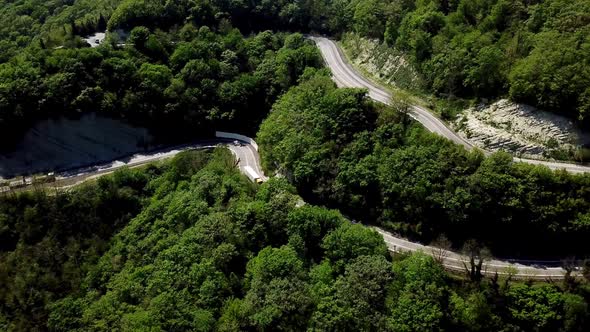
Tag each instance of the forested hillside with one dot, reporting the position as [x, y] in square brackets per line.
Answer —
[49, 241]
[192, 245]
[183, 72]
[49, 23]
[375, 164]
[535, 51]
[181, 84]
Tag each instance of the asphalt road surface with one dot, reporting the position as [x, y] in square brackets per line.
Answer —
[247, 155]
[95, 39]
[530, 269]
[536, 270]
[346, 76]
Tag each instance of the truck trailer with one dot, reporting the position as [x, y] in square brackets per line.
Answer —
[252, 175]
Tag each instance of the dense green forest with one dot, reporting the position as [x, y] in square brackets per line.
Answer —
[49, 241]
[376, 165]
[191, 244]
[536, 51]
[49, 23]
[181, 84]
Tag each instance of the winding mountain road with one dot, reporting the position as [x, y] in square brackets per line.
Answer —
[346, 76]
[246, 155]
[518, 269]
[245, 151]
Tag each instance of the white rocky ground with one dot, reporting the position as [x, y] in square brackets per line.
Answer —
[381, 61]
[519, 129]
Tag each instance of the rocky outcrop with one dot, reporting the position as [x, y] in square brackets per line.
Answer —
[381, 61]
[520, 129]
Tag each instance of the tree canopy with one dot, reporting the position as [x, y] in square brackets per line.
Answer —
[376, 165]
[191, 244]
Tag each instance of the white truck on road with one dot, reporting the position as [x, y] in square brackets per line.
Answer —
[252, 175]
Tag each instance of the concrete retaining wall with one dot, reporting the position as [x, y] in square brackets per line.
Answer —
[245, 139]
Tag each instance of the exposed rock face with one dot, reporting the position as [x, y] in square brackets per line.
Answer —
[383, 62]
[63, 143]
[504, 125]
[519, 129]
